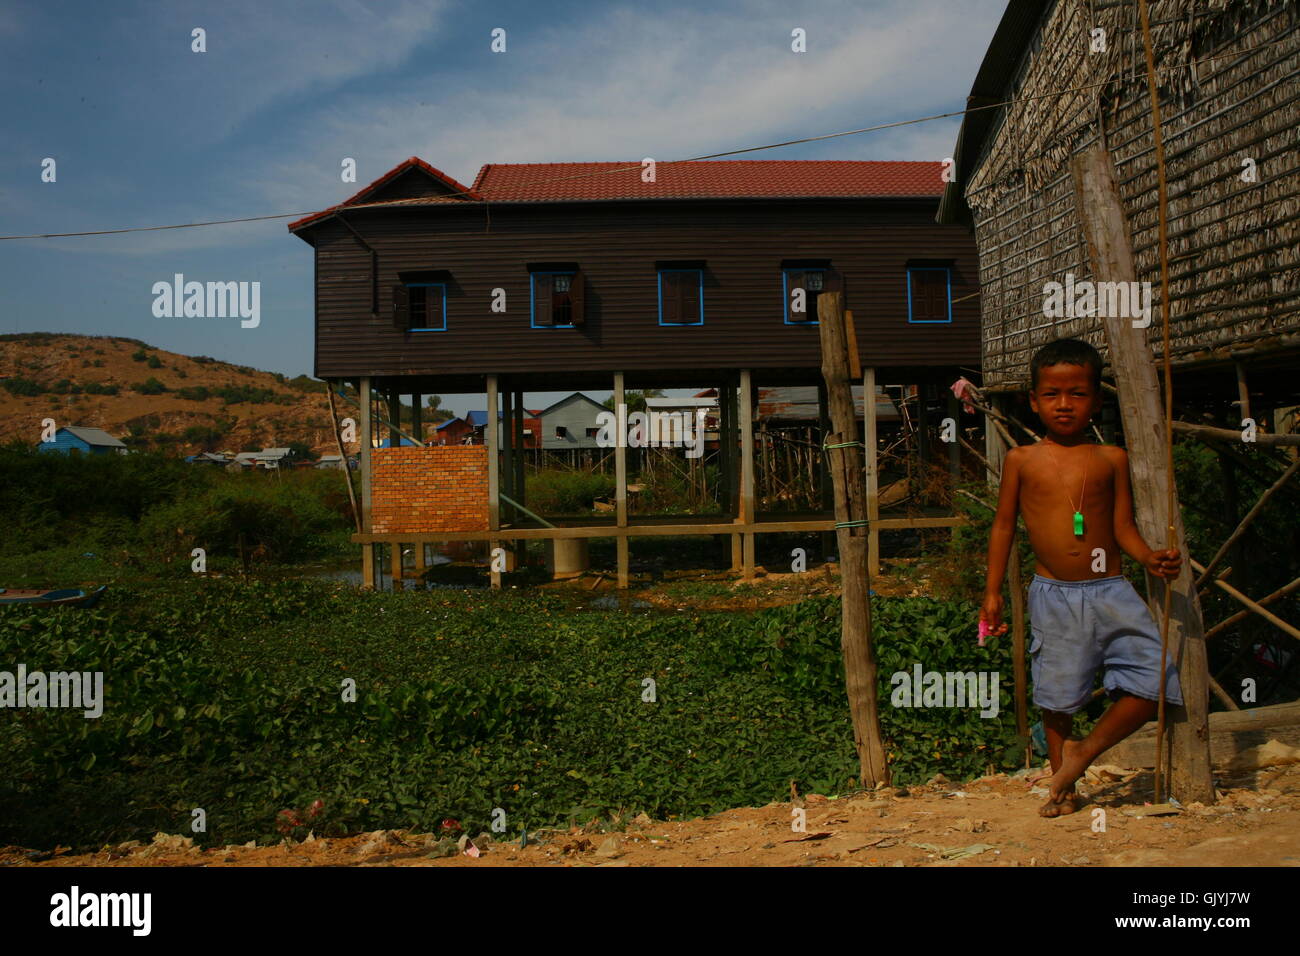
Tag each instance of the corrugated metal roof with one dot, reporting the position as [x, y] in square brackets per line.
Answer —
[799, 404]
[93, 436]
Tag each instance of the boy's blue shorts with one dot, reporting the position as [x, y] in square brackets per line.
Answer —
[1079, 626]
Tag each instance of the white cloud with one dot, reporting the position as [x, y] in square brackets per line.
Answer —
[641, 81]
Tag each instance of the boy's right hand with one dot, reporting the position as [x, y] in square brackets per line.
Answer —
[991, 614]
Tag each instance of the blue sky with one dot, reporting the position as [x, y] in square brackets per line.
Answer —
[146, 132]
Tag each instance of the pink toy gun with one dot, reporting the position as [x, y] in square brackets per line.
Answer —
[985, 631]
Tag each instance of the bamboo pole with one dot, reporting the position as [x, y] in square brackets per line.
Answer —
[850, 516]
[1242, 615]
[1253, 605]
[1245, 523]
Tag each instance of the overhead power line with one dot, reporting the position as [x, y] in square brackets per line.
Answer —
[634, 166]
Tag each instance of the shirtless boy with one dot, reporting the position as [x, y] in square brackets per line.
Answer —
[1077, 504]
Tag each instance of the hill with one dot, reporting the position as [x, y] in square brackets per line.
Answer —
[152, 398]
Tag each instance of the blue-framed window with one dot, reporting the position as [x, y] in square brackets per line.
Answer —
[929, 294]
[426, 306]
[681, 296]
[555, 299]
[801, 289]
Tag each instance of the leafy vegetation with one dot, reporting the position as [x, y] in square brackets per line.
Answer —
[229, 695]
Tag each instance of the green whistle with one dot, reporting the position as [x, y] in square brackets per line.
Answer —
[1078, 522]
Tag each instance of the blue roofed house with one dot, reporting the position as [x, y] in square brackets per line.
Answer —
[87, 441]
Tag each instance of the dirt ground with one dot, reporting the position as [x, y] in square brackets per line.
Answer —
[989, 822]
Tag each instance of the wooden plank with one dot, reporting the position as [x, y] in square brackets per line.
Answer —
[871, 448]
[659, 530]
[494, 477]
[1230, 733]
[855, 581]
[367, 552]
[1111, 255]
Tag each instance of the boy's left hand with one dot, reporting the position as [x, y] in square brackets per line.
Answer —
[1164, 564]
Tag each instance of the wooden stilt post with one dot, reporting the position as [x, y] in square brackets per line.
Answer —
[1111, 254]
[995, 450]
[745, 401]
[817, 458]
[521, 546]
[620, 479]
[845, 462]
[871, 450]
[494, 478]
[343, 454]
[417, 420]
[507, 434]
[367, 550]
[394, 418]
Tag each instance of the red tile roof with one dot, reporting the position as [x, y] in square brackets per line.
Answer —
[358, 198]
[708, 179]
[697, 179]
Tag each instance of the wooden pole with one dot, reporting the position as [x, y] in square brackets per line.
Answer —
[367, 550]
[507, 434]
[620, 479]
[851, 515]
[1243, 391]
[494, 478]
[871, 446]
[338, 441]
[1262, 439]
[746, 403]
[1111, 255]
[417, 421]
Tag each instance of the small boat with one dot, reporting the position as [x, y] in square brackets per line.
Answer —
[66, 597]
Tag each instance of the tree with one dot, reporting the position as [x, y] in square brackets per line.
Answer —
[436, 412]
[301, 451]
[634, 400]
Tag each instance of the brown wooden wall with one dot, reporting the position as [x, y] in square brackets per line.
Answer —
[617, 246]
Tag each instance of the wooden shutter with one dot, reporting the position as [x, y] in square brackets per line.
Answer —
[670, 285]
[543, 294]
[401, 308]
[576, 298]
[434, 299]
[929, 295]
[690, 294]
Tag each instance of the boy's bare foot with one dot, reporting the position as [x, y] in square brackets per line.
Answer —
[1073, 764]
[1068, 804]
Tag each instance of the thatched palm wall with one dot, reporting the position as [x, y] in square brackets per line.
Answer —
[1234, 246]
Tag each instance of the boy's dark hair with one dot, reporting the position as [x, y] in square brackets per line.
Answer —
[1066, 352]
